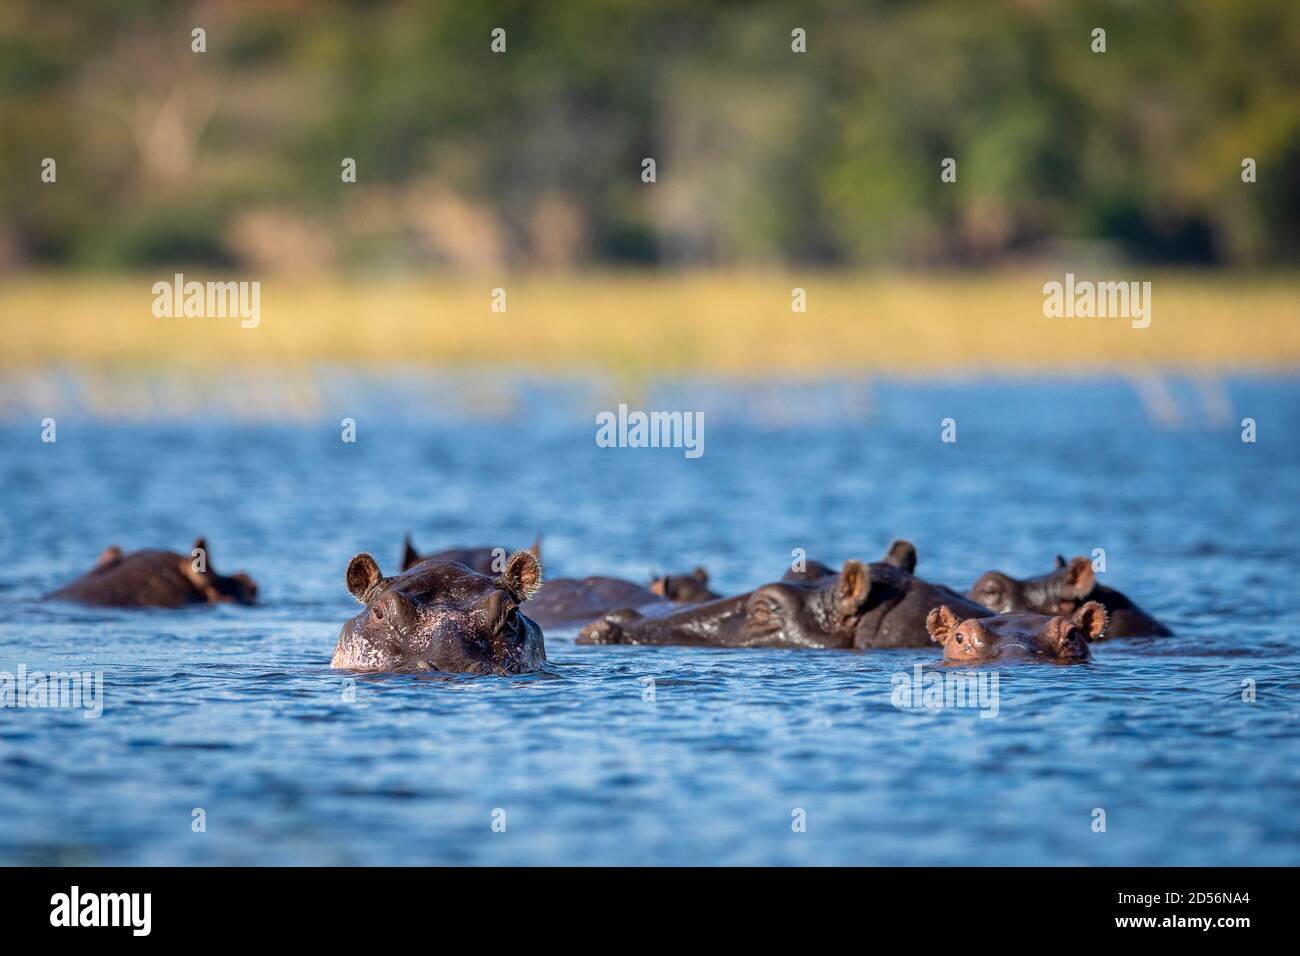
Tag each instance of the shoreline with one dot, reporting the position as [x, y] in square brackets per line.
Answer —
[643, 325]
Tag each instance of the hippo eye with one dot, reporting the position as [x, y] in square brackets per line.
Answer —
[959, 638]
[509, 620]
[378, 612]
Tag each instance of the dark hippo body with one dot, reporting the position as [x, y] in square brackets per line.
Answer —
[579, 600]
[901, 554]
[690, 588]
[872, 605]
[810, 572]
[1063, 591]
[442, 616]
[482, 560]
[152, 578]
[1017, 635]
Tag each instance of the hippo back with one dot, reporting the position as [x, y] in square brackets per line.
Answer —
[580, 600]
[139, 579]
[898, 605]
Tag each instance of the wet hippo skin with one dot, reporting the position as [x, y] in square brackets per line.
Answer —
[1062, 591]
[864, 605]
[442, 616]
[1017, 635]
[578, 600]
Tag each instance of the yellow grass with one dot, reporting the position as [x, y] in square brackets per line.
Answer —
[639, 323]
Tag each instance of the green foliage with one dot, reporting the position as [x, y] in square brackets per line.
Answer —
[831, 156]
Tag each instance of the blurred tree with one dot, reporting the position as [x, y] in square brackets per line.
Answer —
[531, 157]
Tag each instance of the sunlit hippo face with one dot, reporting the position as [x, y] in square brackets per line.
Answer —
[1019, 634]
[442, 616]
[1060, 592]
[690, 588]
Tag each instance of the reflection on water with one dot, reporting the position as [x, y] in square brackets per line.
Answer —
[234, 711]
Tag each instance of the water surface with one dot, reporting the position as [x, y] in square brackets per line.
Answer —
[235, 712]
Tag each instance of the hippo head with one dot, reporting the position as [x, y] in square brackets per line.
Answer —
[1023, 634]
[690, 588]
[217, 588]
[1060, 592]
[820, 613]
[901, 554]
[808, 571]
[485, 560]
[442, 616]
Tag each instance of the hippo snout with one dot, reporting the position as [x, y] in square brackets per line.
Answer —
[604, 631]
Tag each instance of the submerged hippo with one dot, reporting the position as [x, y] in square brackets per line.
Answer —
[482, 560]
[579, 600]
[684, 588]
[1062, 592]
[901, 554]
[565, 601]
[810, 571]
[442, 616]
[157, 579]
[864, 605]
[1035, 636]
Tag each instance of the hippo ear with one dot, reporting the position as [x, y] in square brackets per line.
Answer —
[410, 557]
[701, 574]
[363, 577]
[853, 588]
[941, 624]
[1091, 619]
[1060, 561]
[902, 554]
[197, 567]
[522, 576]
[110, 555]
[1079, 579]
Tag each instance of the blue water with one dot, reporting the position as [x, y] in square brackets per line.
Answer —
[234, 711]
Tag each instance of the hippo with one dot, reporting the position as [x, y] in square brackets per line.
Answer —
[482, 560]
[1023, 635]
[442, 616]
[809, 572]
[157, 579]
[901, 554]
[864, 605]
[690, 588]
[565, 601]
[1062, 592]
